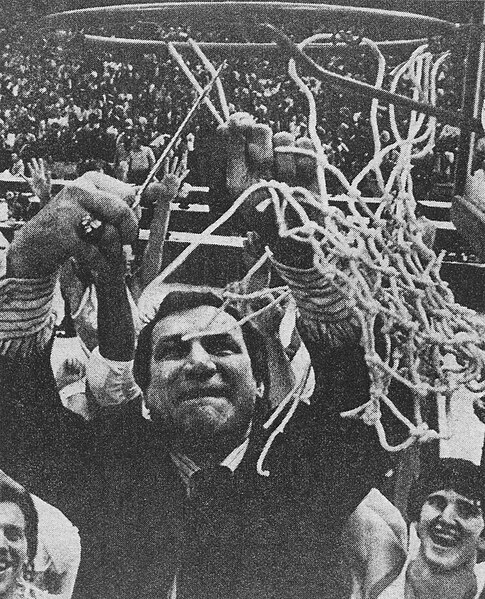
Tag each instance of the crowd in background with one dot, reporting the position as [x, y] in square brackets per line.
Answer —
[71, 103]
[166, 496]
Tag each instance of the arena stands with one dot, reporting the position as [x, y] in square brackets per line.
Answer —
[70, 103]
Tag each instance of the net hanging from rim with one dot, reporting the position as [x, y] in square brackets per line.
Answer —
[378, 261]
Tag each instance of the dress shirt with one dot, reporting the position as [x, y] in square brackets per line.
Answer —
[188, 467]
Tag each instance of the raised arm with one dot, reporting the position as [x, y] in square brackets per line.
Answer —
[52, 236]
[116, 332]
[40, 180]
[344, 455]
[325, 317]
[375, 544]
[40, 442]
[36, 254]
[161, 194]
[109, 370]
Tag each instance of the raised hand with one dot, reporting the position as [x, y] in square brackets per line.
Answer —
[40, 180]
[249, 151]
[175, 172]
[253, 154]
[53, 235]
[161, 195]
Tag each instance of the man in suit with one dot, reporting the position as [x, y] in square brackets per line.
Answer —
[174, 506]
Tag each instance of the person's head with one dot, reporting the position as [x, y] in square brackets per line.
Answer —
[204, 376]
[18, 534]
[136, 142]
[446, 502]
[385, 137]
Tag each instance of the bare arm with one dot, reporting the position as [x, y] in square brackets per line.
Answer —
[162, 194]
[375, 542]
[151, 158]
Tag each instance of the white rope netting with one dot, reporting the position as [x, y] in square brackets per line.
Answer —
[379, 262]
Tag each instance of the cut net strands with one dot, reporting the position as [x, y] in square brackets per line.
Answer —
[382, 267]
[212, 70]
[379, 263]
[198, 88]
[172, 144]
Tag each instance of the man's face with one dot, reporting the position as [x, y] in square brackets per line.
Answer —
[201, 386]
[450, 528]
[13, 546]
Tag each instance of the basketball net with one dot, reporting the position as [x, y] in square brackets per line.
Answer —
[377, 261]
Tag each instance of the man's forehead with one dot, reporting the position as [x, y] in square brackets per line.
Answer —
[453, 495]
[200, 319]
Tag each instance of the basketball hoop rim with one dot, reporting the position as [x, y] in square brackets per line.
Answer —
[422, 24]
[149, 44]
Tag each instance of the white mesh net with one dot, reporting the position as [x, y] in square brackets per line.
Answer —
[379, 261]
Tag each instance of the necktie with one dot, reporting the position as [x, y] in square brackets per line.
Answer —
[211, 536]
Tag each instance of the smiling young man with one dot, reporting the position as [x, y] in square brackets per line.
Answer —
[450, 529]
[13, 548]
[439, 556]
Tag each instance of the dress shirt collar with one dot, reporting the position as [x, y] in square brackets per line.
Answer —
[188, 467]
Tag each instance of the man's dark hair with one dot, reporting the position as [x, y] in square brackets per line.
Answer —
[180, 300]
[450, 474]
[13, 492]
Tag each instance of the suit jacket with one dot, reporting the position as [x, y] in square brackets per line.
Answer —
[285, 527]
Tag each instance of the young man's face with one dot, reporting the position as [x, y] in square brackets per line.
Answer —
[202, 387]
[13, 546]
[450, 529]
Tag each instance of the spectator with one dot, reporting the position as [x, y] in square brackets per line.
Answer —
[17, 169]
[73, 101]
[39, 547]
[140, 161]
[121, 159]
[5, 155]
[440, 557]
